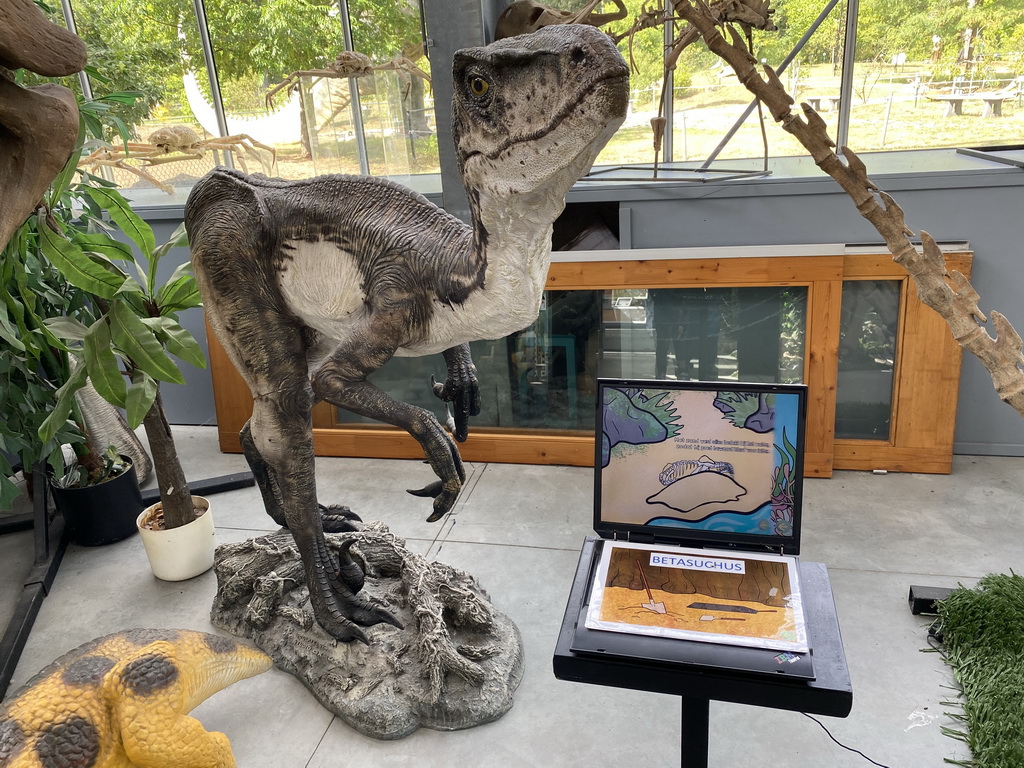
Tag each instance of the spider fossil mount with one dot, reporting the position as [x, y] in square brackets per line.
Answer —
[175, 143]
[351, 64]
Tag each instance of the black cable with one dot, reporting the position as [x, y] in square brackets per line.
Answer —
[837, 741]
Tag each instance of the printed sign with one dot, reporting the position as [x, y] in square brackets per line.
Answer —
[696, 563]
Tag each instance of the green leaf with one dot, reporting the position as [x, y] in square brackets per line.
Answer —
[98, 242]
[77, 268]
[122, 129]
[8, 333]
[63, 180]
[141, 396]
[179, 342]
[104, 368]
[124, 97]
[138, 342]
[178, 238]
[92, 123]
[178, 295]
[66, 328]
[62, 408]
[8, 492]
[130, 288]
[121, 213]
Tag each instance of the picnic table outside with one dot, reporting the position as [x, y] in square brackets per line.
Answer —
[993, 100]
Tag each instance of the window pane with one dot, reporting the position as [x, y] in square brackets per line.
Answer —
[543, 377]
[270, 57]
[937, 78]
[137, 45]
[709, 99]
[633, 142]
[867, 351]
[397, 108]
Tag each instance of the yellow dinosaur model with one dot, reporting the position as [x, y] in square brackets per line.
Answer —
[122, 701]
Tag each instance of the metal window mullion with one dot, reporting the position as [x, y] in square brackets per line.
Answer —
[670, 93]
[846, 81]
[211, 74]
[69, 20]
[357, 108]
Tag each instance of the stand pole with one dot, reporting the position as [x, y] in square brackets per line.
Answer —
[695, 733]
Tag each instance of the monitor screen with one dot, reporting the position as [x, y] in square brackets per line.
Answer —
[697, 461]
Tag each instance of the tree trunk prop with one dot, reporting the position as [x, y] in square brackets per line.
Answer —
[456, 664]
[170, 477]
[957, 303]
[39, 125]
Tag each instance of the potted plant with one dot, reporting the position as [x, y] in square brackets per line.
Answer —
[126, 352]
[99, 507]
[35, 365]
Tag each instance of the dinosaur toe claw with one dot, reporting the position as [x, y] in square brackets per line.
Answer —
[431, 491]
[436, 515]
[346, 632]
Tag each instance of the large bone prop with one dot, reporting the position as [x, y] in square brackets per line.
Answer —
[38, 125]
[525, 16]
[957, 303]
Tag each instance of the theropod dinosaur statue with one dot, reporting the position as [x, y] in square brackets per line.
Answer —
[313, 285]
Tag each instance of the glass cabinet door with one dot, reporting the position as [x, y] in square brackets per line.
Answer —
[867, 356]
[542, 378]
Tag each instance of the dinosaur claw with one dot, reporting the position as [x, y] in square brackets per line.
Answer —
[337, 509]
[338, 519]
[432, 491]
[369, 614]
[436, 515]
[388, 618]
[349, 571]
[348, 632]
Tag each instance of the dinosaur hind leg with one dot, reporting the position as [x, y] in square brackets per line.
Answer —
[263, 475]
[279, 447]
[335, 519]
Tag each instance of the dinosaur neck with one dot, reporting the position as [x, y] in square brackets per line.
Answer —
[512, 242]
[500, 277]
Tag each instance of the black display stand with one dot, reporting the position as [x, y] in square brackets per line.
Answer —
[831, 693]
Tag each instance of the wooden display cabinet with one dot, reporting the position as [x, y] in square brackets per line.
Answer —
[926, 371]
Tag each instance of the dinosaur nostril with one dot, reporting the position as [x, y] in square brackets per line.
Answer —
[578, 55]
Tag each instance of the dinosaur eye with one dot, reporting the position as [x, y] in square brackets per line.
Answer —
[478, 85]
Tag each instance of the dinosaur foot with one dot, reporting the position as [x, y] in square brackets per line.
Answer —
[348, 614]
[336, 604]
[338, 519]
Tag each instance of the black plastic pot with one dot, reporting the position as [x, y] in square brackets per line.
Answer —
[101, 513]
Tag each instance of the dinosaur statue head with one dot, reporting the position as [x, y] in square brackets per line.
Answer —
[531, 113]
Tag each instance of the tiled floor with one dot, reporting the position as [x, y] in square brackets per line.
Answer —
[519, 530]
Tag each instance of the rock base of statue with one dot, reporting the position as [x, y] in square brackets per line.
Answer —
[456, 664]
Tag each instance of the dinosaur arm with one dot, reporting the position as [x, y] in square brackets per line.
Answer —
[460, 388]
[342, 381]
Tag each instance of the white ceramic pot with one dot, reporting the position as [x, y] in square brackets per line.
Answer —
[183, 552]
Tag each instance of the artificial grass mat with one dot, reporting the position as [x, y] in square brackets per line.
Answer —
[983, 642]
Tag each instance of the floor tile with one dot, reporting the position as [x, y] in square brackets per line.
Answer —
[519, 531]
